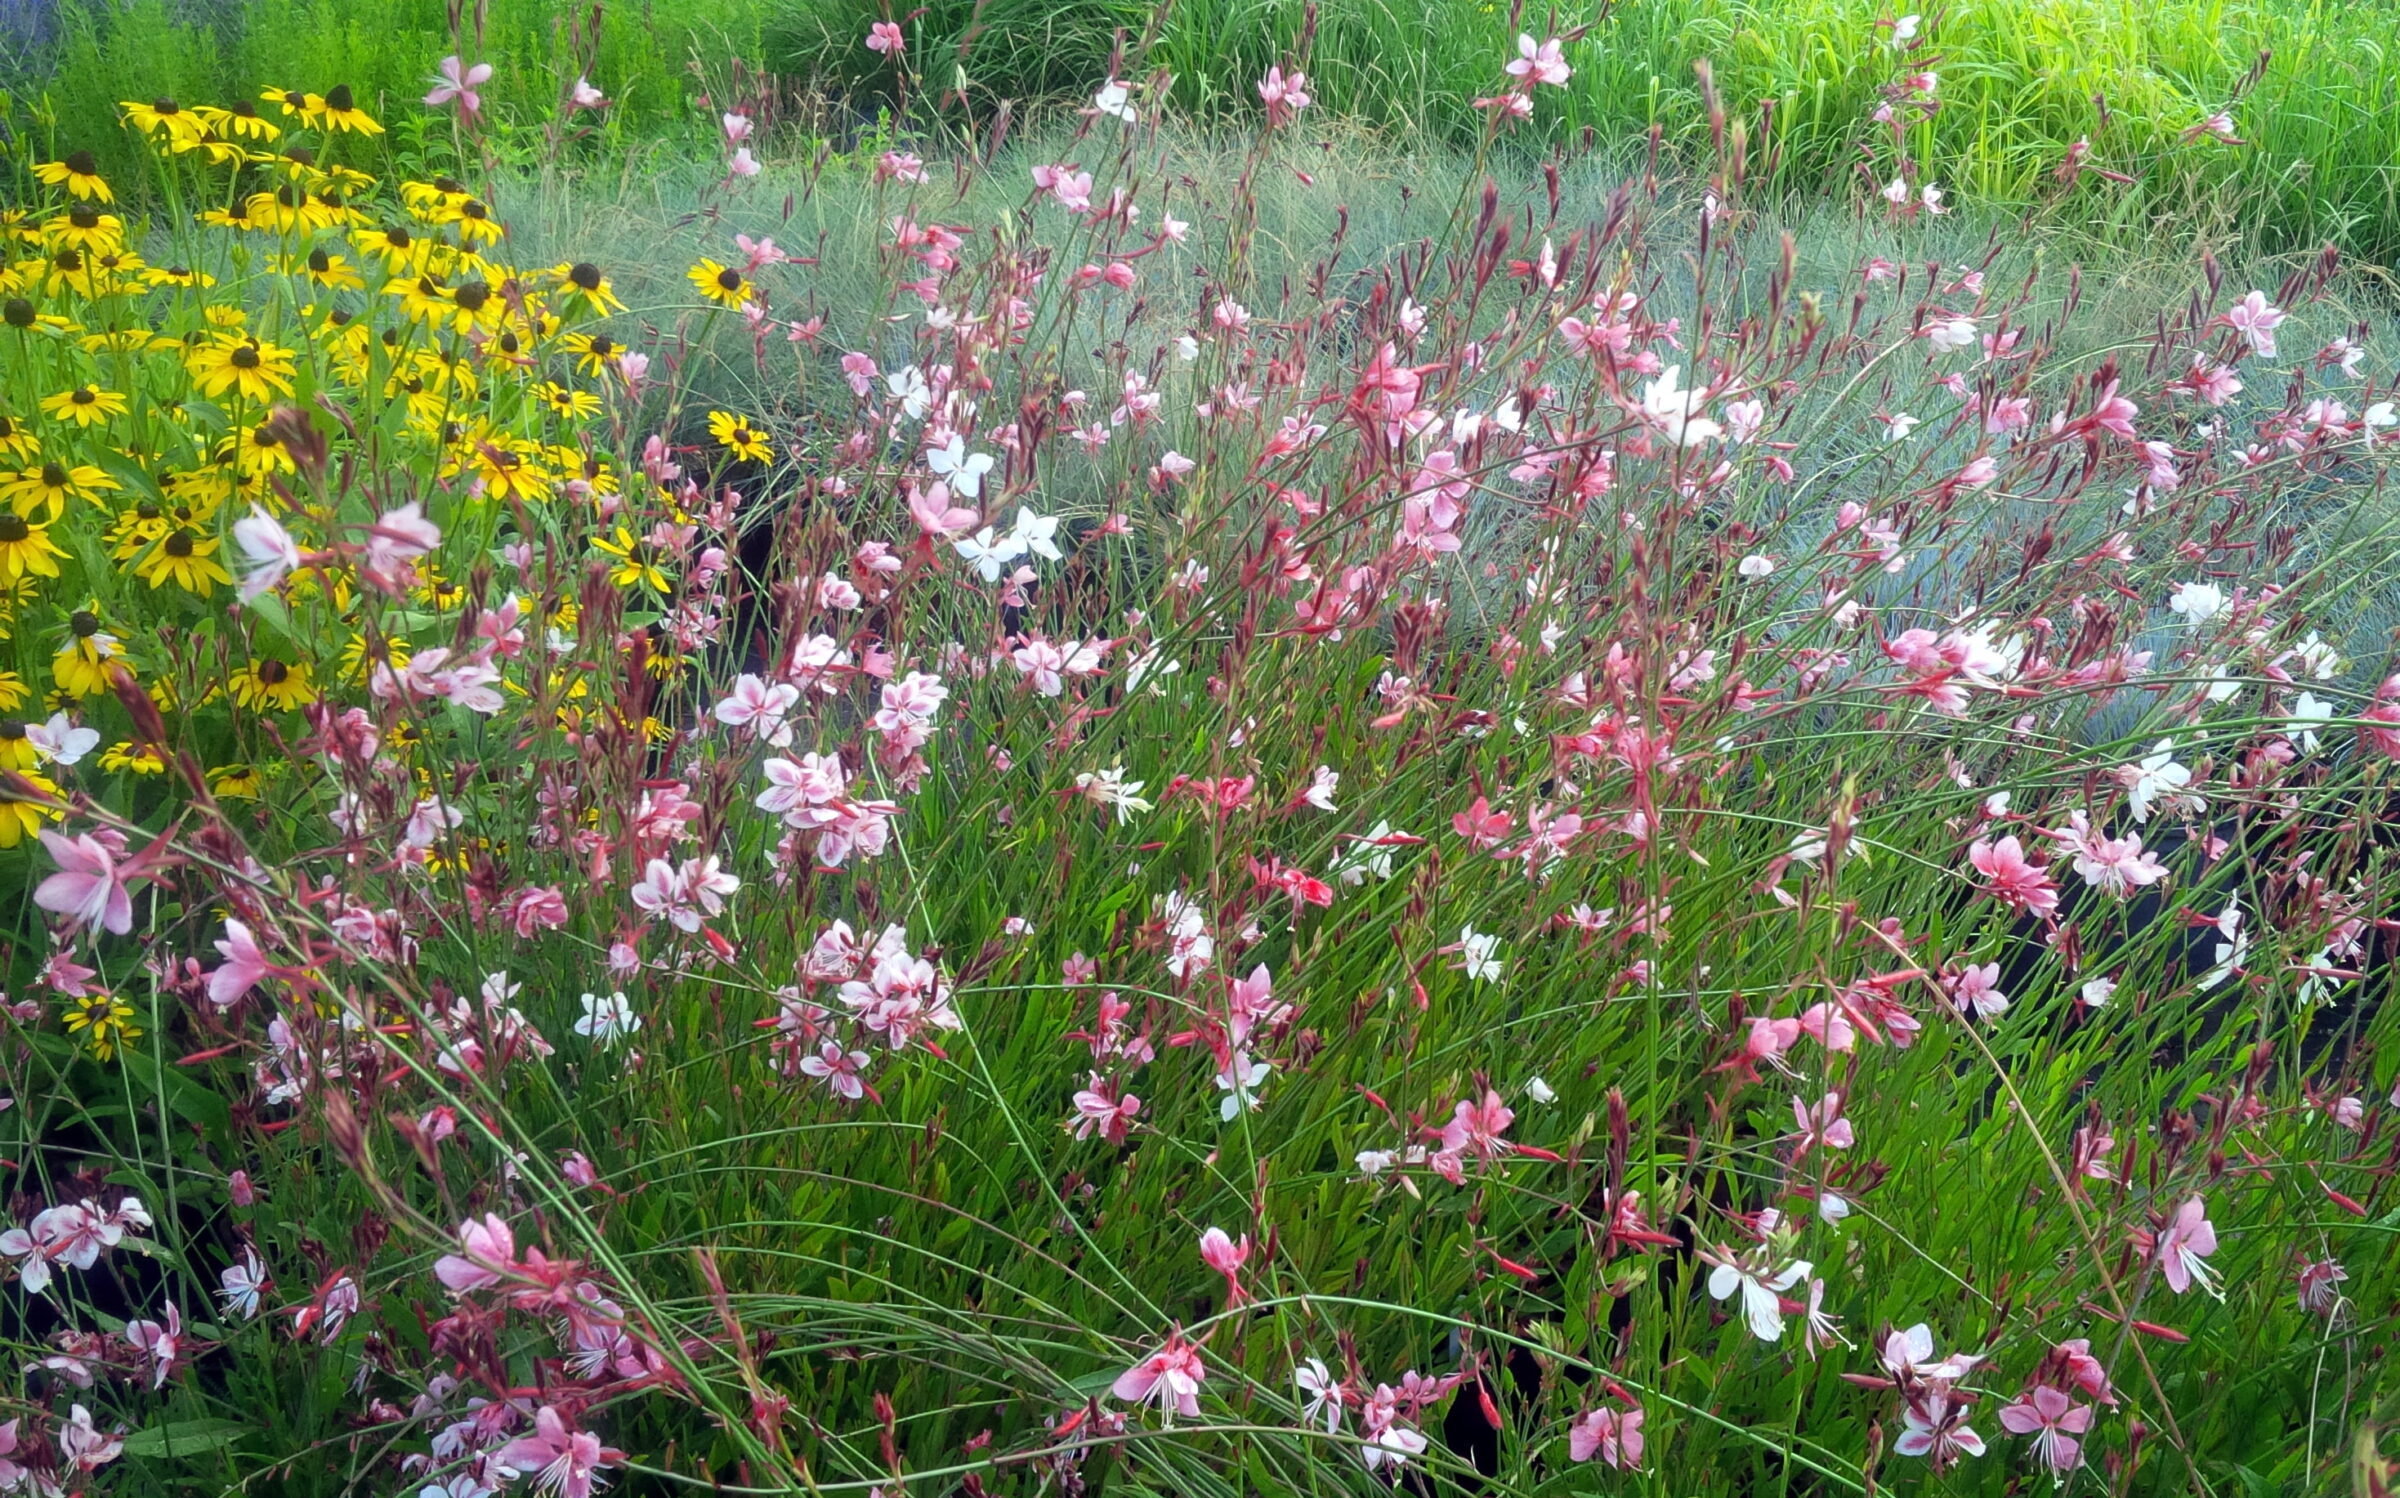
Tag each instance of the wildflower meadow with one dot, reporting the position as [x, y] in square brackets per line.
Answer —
[1086, 801]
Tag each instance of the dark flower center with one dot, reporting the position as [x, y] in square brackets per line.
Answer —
[82, 164]
[585, 274]
[340, 98]
[13, 528]
[245, 357]
[179, 544]
[730, 279]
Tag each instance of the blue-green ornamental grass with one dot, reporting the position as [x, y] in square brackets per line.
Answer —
[1123, 811]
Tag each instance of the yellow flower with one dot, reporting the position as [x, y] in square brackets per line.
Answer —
[13, 691]
[20, 820]
[187, 561]
[180, 275]
[85, 228]
[582, 282]
[506, 471]
[259, 371]
[476, 224]
[15, 441]
[738, 437]
[52, 485]
[166, 119]
[296, 105]
[721, 284]
[16, 749]
[234, 782]
[594, 353]
[637, 563]
[79, 174]
[242, 120]
[82, 664]
[127, 756]
[84, 406]
[566, 402]
[273, 683]
[403, 253]
[105, 1022]
[333, 272]
[25, 548]
[342, 112]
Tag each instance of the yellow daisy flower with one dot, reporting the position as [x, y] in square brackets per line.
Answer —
[342, 112]
[84, 406]
[257, 371]
[20, 820]
[105, 1022]
[127, 757]
[79, 174]
[721, 284]
[187, 561]
[737, 436]
[25, 548]
[637, 562]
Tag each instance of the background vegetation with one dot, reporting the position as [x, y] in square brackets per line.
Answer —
[2021, 81]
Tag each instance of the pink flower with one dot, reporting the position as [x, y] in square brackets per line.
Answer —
[1546, 63]
[488, 1256]
[1935, 1425]
[1975, 989]
[1823, 1124]
[1613, 1436]
[536, 908]
[1169, 1378]
[1284, 94]
[584, 96]
[884, 37]
[457, 83]
[1099, 1111]
[2012, 877]
[2054, 1421]
[1226, 1255]
[563, 1461]
[2184, 1247]
[272, 552]
[245, 966]
[2256, 319]
[159, 1345]
[89, 887]
[842, 1071]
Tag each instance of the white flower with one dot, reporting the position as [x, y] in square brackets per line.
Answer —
[1111, 100]
[964, 470]
[1321, 787]
[1950, 333]
[2231, 950]
[2197, 602]
[1677, 412]
[1898, 425]
[1904, 30]
[1756, 565]
[1478, 955]
[2307, 713]
[1371, 855]
[1109, 787]
[61, 740]
[2097, 992]
[1036, 534]
[907, 386]
[1240, 1081]
[1761, 1292]
[1540, 1091]
[989, 552]
[1831, 1209]
[607, 1020]
[2157, 776]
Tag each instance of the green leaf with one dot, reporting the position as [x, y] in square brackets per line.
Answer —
[184, 1438]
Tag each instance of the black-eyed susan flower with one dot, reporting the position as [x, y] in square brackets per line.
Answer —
[270, 683]
[721, 284]
[16, 747]
[737, 436]
[402, 252]
[583, 283]
[20, 818]
[186, 560]
[26, 549]
[84, 406]
[594, 352]
[475, 223]
[15, 441]
[256, 371]
[126, 757]
[235, 782]
[566, 402]
[50, 486]
[341, 112]
[79, 174]
[103, 1022]
[242, 121]
[637, 564]
[87, 655]
[326, 269]
[295, 104]
[163, 119]
[85, 227]
[13, 691]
